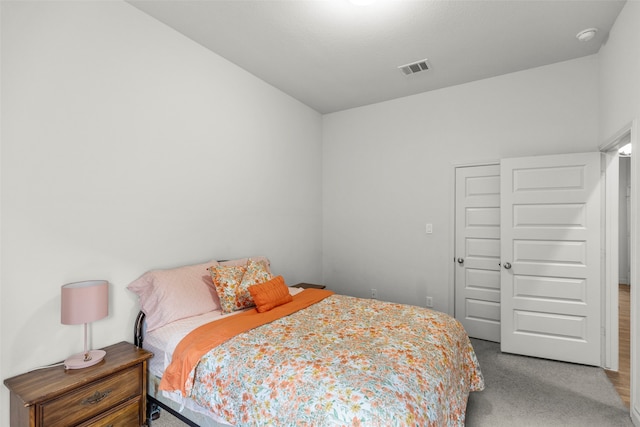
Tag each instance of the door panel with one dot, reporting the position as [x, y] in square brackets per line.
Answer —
[549, 325]
[550, 235]
[550, 288]
[477, 278]
[568, 215]
[548, 179]
[483, 310]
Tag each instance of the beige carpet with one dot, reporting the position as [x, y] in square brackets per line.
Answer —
[166, 420]
[524, 391]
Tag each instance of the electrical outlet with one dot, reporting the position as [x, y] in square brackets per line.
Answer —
[374, 294]
[429, 301]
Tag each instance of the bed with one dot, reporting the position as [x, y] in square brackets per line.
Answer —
[317, 359]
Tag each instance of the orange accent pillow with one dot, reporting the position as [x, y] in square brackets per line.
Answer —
[270, 294]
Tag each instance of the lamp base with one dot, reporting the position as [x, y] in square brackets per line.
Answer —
[84, 360]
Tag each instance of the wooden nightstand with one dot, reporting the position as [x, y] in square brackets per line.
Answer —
[308, 286]
[113, 392]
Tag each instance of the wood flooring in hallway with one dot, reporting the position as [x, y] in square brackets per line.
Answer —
[621, 379]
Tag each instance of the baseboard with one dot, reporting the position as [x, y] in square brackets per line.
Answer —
[635, 416]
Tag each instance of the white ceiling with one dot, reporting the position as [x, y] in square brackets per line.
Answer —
[333, 55]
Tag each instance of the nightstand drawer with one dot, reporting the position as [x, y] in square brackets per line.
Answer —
[93, 399]
[124, 415]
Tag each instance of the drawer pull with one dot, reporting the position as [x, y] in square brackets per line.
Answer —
[97, 397]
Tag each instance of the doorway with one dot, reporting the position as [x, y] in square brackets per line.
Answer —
[614, 322]
[623, 384]
[624, 288]
[619, 278]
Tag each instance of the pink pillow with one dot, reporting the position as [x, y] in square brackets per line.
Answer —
[173, 294]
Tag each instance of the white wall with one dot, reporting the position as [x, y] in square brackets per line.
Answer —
[619, 83]
[387, 170]
[126, 147]
[620, 105]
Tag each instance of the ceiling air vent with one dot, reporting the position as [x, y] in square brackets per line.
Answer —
[414, 67]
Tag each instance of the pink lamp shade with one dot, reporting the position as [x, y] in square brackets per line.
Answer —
[84, 302]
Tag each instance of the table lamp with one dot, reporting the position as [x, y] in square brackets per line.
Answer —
[84, 302]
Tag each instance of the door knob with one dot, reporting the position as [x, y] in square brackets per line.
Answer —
[507, 265]
[460, 260]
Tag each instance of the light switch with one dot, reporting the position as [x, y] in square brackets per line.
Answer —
[429, 228]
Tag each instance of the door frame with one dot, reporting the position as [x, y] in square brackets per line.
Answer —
[452, 231]
[629, 133]
[611, 279]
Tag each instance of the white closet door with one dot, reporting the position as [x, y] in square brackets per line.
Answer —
[477, 271]
[551, 266]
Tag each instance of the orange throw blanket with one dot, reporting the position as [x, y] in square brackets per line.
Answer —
[199, 341]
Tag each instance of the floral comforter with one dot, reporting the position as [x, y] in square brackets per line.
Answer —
[343, 361]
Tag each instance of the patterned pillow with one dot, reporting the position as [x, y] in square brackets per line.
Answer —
[227, 281]
[257, 272]
[244, 261]
[232, 283]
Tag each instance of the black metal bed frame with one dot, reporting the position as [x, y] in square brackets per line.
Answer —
[153, 404]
